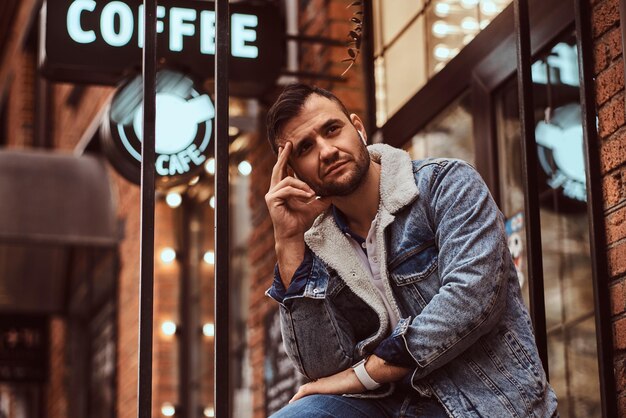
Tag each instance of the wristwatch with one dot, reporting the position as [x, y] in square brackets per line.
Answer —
[363, 376]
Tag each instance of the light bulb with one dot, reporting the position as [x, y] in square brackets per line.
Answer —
[209, 412]
[210, 166]
[173, 199]
[245, 168]
[442, 9]
[208, 329]
[212, 202]
[168, 410]
[209, 257]
[168, 255]
[168, 328]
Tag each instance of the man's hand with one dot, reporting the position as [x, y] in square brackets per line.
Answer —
[293, 208]
[347, 382]
[337, 384]
[291, 202]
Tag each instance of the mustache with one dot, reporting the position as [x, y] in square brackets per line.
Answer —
[327, 162]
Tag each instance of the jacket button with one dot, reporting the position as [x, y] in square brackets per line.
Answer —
[316, 291]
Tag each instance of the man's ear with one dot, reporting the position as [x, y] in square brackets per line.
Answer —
[358, 125]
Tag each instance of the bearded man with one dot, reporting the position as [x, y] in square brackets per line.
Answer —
[398, 295]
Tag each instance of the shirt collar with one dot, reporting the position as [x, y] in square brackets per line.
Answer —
[342, 223]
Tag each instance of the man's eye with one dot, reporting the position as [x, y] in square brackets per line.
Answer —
[332, 129]
[303, 148]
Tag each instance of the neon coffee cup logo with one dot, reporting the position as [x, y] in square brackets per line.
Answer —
[560, 152]
[184, 124]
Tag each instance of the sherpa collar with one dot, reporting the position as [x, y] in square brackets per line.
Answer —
[325, 239]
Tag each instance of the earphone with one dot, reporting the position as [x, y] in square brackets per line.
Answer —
[361, 135]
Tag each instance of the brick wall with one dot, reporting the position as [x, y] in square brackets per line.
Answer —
[609, 72]
[323, 18]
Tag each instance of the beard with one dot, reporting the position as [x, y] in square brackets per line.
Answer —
[348, 182]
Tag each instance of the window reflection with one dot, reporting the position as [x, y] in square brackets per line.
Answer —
[415, 39]
[449, 135]
[564, 229]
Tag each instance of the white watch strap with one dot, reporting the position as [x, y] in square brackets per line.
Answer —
[364, 377]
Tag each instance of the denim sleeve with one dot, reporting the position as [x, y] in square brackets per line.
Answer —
[393, 349]
[298, 282]
[473, 265]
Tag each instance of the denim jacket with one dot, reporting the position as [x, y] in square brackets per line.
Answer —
[450, 278]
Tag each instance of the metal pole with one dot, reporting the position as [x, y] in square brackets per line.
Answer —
[146, 264]
[529, 177]
[222, 245]
[368, 67]
[595, 212]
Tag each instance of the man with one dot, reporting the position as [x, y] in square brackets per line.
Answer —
[397, 293]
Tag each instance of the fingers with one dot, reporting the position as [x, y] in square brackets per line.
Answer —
[301, 393]
[290, 192]
[279, 171]
[293, 182]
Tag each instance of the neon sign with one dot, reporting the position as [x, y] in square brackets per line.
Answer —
[100, 41]
[184, 128]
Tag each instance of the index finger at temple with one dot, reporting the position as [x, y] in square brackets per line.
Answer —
[279, 171]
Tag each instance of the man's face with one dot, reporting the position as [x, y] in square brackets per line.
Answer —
[327, 152]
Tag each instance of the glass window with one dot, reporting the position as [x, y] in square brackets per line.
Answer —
[414, 39]
[405, 72]
[564, 229]
[449, 135]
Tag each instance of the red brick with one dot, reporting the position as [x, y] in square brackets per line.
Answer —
[619, 333]
[613, 152]
[621, 406]
[604, 15]
[601, 58]
[618, 297]
[611, 116]
[613, 186]
[616, 226]
[617, 260]
[609, 82]
[613, 39]
[620, 375]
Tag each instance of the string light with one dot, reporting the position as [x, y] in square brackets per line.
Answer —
[245, 168]
[209, 412]
[442, 9]
[168, 328]
[168, 255]
[210, 166]
[168, 410]
[212, 202]
[209, 257]
[208, 329]
[173, 199]
[469, 24]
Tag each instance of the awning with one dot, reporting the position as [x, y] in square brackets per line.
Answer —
[52, 206]
[55, 198]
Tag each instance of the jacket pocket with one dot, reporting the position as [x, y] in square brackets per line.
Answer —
[414, 264]
[535, 381]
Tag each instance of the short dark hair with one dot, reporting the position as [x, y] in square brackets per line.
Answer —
[288, 106]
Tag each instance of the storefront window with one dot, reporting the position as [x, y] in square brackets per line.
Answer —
[449, 135]
[415, 39]
[566, 255]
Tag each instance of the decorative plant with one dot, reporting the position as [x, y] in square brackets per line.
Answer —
[355, 35]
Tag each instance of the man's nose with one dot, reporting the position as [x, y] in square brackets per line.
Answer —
[328, 152]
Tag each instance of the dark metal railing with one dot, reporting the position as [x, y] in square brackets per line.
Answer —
[529, 178]
[222, 245]
[595, 215]
[146, 263]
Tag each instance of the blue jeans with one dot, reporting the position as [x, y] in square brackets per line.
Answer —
[398, 405]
